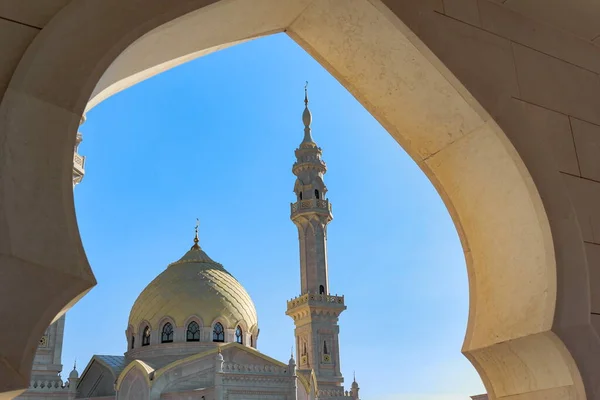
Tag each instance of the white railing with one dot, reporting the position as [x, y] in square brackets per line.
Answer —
[253, 368]
[53, 384]
[334, 394]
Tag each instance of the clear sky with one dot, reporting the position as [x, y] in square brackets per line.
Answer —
[215, 139]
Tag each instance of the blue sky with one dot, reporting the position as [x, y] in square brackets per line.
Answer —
[215, 139]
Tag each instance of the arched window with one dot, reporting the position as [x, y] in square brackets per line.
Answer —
[325, 347]
[316, 194]
[193, 332]
[146, 336]
[167, 333]
[251, 341]
[321, 289]
[132, 342]
[218, 333]
[300, 195]
[238, 335]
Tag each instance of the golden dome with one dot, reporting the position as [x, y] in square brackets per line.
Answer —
[194, 286]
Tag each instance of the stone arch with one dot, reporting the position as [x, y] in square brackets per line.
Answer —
[223, 320]
[166, 319]
[242, 324]
[494, 202]
[194, 365]
[130, 336]
[196, 318]
[134, 378]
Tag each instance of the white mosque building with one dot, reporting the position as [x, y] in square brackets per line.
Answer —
[193, 331]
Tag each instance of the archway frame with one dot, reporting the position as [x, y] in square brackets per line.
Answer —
[93, 50]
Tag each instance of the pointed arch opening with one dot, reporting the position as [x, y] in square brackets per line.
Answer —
[167, 333]
[239, 335]
[193, 332]
[218, 333]
[146, 336]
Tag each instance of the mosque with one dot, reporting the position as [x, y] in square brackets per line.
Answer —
[193, 331]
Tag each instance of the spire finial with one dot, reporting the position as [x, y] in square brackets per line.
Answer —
[306, 115]
[306, 94]
[354, 372]
[196, 240]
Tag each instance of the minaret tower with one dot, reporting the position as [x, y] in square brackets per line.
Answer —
[315, 311]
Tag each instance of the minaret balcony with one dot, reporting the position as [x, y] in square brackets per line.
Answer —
[316, 164]
[310, 205]
[324, 302]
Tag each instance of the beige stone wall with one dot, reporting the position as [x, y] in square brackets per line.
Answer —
[541, 84]
[497, 101]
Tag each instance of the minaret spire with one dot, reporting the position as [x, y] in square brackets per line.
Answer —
[307, 120]
[306, 94]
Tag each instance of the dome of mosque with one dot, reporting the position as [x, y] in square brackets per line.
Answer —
[194, 286]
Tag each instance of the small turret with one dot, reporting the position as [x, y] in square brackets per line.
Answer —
[73, 378]
[354, 389]
[292, 364]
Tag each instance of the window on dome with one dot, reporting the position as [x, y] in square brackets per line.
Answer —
[132, 342]
[146, 336]
[251, 341]
[193, 332]
[316, 194]
[218, 333]
[167, 333]
[238, 335]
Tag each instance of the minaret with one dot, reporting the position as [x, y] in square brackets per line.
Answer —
[315, 311]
